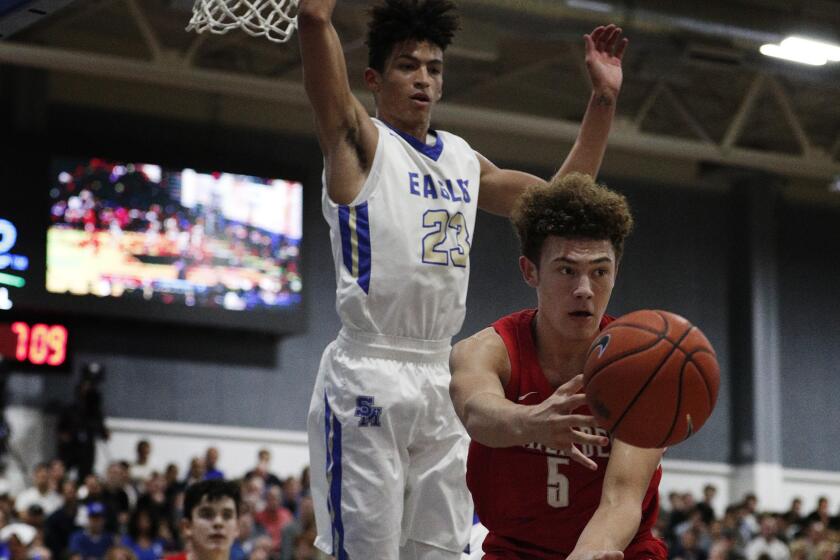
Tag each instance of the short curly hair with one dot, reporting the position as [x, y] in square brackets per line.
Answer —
[573, 205]
[395, 21]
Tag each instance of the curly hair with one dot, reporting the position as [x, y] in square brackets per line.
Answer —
[395, 21]
[573, 205]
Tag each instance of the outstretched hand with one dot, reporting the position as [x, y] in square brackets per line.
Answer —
[604, 51]
[552, 423]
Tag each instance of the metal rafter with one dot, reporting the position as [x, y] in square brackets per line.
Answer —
[790, 115]
[744, 112]
[149, 36]
[686, 115]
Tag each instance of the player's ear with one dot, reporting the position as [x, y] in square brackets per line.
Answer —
[373, 80]
[186, 528]
[530, 272]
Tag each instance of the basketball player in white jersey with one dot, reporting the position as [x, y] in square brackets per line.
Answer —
[386, 449]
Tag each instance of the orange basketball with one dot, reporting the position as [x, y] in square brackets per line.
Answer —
[651, 378]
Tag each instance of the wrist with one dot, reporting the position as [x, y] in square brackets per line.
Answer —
[604, 97]
[522, 424]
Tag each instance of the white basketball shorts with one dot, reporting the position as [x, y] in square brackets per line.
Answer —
[387, 452]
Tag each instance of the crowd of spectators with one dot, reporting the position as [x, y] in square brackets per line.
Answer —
[693, 530]
[134, 512]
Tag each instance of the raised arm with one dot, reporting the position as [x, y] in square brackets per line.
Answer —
[480, 369]
[604, 51]
[345, 131]
[619, 513]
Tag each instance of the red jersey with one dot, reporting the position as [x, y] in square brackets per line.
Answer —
[534, 500]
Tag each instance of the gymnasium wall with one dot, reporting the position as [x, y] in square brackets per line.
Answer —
[675, 260]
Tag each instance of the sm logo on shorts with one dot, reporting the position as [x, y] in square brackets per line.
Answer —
[368, 414]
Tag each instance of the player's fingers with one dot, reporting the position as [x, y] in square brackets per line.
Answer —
[589, 439]
[578, 421]
[568, 404]
[588, 42]
[610, 38]
[579, 457]
[571, 386]
[596, 33]
[622, 46]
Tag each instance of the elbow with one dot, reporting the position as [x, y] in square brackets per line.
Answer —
[313, 14]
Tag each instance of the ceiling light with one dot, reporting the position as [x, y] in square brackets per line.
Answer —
[802, 50]
[831, 52]
[591, 5]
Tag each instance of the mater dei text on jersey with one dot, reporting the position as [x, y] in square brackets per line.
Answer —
[586, 449]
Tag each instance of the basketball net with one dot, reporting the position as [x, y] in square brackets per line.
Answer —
[271, 19]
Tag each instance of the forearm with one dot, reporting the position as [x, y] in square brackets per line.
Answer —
[591, 143]
[494, 421]
[612, 527]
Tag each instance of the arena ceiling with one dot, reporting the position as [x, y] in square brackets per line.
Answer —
[697, 92]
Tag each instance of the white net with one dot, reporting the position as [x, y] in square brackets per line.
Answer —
[271, 19]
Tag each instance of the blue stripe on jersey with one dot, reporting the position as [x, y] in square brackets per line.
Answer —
[344, 228]
[431, 152]
[332, 428]
[363, 236]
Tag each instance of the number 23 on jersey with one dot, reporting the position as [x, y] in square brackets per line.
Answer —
[448, 241]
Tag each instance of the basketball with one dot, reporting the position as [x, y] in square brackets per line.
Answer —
[651, 378]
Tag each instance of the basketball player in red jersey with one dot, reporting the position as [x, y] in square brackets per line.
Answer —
[547, 483]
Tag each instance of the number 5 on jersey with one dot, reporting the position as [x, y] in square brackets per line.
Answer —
[435, 243]
[558, 483]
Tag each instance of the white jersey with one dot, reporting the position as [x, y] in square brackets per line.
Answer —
[401, 248]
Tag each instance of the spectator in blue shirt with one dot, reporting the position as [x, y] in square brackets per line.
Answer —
[92, 542]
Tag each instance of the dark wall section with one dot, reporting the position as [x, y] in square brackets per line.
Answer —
[809, 275]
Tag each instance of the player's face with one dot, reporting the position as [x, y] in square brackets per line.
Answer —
[574, 282]
[213, 526]
[411, 84]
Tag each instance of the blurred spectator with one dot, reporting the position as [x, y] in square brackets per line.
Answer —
[81, 423]
[143, 536]
[274, 517]
[794, 519]
[115, 497]
[57, 474]
[62, 523]
[821, 512]
[39, 493]
[195, 473]
[154, 499]
[767, 542]
[94, 541]
[750, 518]
[249, 532]
[303, 524]
[291, 494]
[141, 469]
[253, 489]
[118, 552]
[263, 469]
[17, 541]
[707, 506]
[211, 469]
[688, 547]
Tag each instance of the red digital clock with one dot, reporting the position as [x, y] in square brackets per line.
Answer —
[37, 344]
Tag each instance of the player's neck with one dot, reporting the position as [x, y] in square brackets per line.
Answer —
[418, 130]
[560, 358]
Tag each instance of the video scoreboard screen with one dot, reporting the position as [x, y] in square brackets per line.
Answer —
[94, 237]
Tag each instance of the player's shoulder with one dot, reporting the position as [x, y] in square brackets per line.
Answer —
[486, 346]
